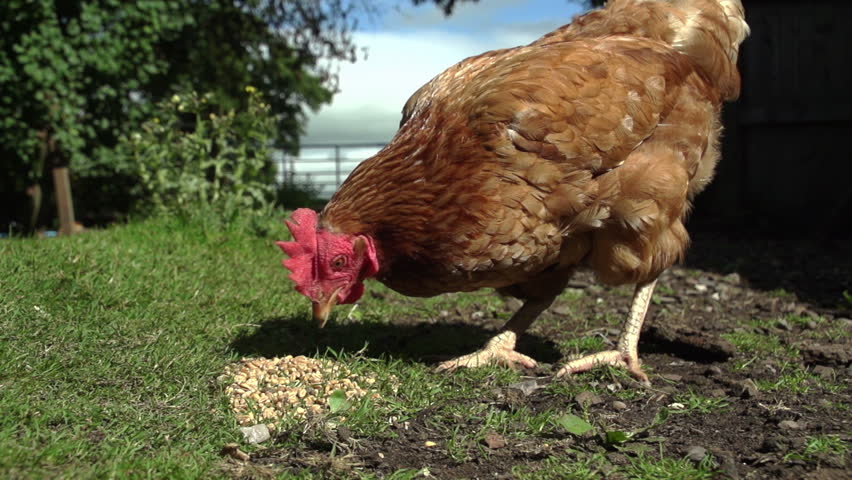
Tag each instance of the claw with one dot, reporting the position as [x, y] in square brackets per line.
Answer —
[498, 351]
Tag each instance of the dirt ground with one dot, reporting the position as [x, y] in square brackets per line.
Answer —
[761, 325]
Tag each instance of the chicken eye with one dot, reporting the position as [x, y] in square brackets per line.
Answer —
[338, 262]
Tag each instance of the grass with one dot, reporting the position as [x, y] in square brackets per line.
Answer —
[821, 446]
[113, 340]
[695, 403]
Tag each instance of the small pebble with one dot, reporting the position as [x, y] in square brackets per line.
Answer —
[783, 324]
[713, 370]
[587, 398]
[429, 443]
[677, 406]
[494, 440]
[824, 372]
[789, 425]
[718, 393]
[618, 405]
[672, 377]
[811, 325]
[696, 453]
[749, 389]
[256, 433]
[478, 315]
[701, 287]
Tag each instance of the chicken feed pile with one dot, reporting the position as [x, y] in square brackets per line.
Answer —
[272, 390]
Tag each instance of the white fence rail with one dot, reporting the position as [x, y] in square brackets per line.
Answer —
[324, 166]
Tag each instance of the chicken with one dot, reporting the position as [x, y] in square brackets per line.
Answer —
[515, 167]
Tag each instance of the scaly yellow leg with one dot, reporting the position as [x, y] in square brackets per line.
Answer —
[627, 355]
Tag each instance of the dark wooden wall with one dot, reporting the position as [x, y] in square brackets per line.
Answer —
[787, 151]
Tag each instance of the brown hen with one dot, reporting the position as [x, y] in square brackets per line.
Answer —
[514, 167]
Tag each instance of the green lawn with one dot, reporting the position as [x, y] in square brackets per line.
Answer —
[111, 343]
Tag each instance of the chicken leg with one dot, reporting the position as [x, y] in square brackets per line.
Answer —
[500, 350]
[627, 355]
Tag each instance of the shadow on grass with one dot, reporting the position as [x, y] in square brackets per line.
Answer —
[420, 342]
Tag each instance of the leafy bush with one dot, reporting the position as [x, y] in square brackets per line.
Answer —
[191, 156]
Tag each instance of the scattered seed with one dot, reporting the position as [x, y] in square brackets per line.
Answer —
[269, 390]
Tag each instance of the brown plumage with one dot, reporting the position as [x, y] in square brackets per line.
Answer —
[584, 147]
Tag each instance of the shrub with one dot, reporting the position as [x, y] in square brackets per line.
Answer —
[191, 156]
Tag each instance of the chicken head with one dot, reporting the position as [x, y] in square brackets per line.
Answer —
[327, 267]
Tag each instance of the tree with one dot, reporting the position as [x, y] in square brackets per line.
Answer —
[83, 70]
[77, 74]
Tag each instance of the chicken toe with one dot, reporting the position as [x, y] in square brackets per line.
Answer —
[627, 354]
[500, 350]
[609, 357]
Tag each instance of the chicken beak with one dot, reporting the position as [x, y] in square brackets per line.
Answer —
[322, 308]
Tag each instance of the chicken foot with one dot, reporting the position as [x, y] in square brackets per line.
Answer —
[627, 354]
[500, 350]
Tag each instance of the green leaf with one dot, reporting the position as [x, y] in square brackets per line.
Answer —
[337, 401]
[573, 424]
[617, 437]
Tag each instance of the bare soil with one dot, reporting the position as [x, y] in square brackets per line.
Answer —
[788, 291]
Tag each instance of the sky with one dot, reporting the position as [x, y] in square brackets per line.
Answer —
[408, 45]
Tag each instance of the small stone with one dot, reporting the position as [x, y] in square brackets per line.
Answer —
[618, 405]
[617, 458]
[668, 390]
[527, 387]
[749, 389]
[732, 278]
[783, 324]
[712, 371]
[824, 372]
[718, 393]
[811, 325]
[494, 440]
[672, 377]
[477, 315]
[587, 398]
[666, 299]
[256, 433]
[696, 453]
[701, 287]
[429, 444]
[844, 322]
[444, 313]
[727, 463]
[562, 309]
[789, 425]
[677, 406]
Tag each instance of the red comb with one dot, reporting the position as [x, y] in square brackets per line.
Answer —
[303, 227]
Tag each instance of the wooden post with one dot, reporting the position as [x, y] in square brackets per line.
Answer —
[64, 202]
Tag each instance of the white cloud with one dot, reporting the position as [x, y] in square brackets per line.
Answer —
[412, 48]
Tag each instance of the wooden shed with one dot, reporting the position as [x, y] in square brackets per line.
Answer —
[787, 151]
